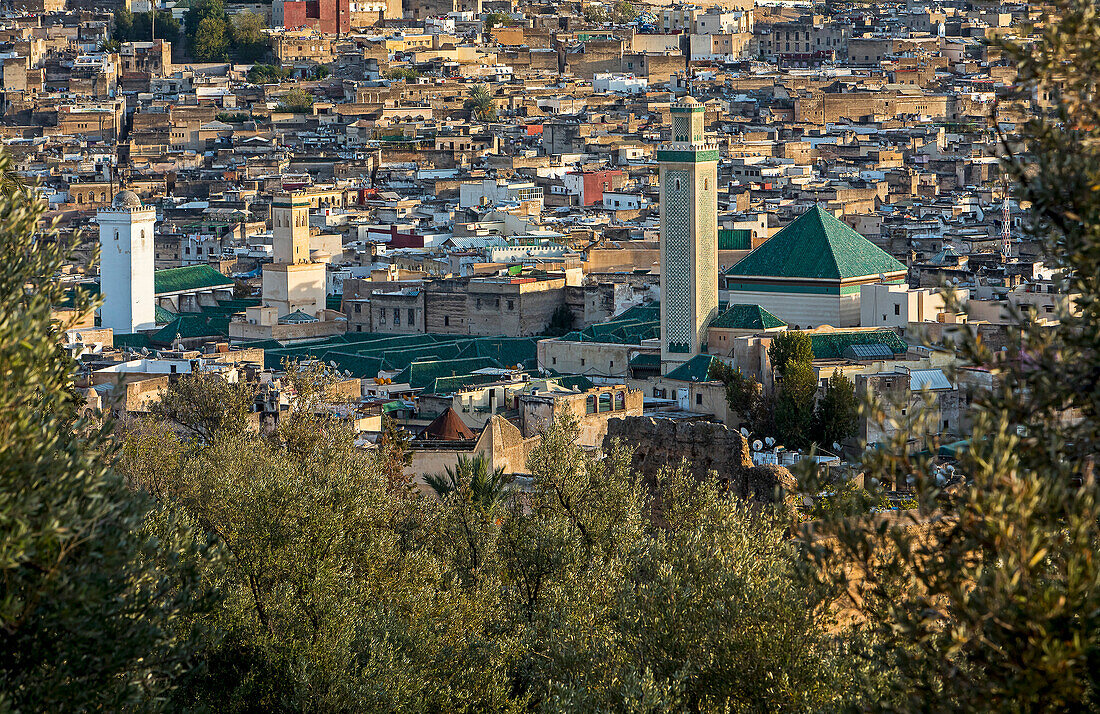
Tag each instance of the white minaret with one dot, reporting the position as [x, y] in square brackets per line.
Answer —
[126, 265]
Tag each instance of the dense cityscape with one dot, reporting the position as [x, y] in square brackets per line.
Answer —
[472, 355]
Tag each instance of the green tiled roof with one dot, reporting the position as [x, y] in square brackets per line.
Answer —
[641, 322]
[816, 246]
[645, 360]
[747, 317]
[696, 369]
[334, 302]
[192, 277]
[420, 357]
[576, 381]
[135, 341]
[448, 385]
[190, 326]
[419, 375]
[163, 315]
[831, 345]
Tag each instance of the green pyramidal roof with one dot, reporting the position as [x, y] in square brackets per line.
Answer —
[747, 317]
[816, 246]
[696, 369]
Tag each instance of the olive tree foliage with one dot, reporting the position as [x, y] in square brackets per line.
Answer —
[988, 599]
[570, 591]
[93, 578]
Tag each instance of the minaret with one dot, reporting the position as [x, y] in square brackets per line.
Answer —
[292, 282]
[126, 265]
[689, 235]
[290, 228]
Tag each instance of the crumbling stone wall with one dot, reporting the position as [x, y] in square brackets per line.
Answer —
[707, 447]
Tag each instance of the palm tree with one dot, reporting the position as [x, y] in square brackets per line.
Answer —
[472, 477]
[11, 181]
[481, 104]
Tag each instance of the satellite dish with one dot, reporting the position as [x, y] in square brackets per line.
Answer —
[769, 441]
[836, 446]
[757, 445]
[347, 372]
[145, 350]
[744, 432]
[332, 364]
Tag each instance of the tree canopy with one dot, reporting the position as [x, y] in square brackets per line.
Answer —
[96, 581]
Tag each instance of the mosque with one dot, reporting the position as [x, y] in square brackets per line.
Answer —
[808, 275]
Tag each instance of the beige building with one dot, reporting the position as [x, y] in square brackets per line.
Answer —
[294, 285]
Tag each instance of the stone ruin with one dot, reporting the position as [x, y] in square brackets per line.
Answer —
[707, 447]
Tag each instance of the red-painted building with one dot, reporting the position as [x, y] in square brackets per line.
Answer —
[588, 186]
[328, 16]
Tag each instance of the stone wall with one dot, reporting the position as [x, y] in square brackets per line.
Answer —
[707, 447]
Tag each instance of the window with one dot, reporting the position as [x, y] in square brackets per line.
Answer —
[946, 423]
[478, 304]
[582, 361]
[620, 401]
[897, 309]
[382, 317]
[553, 360]
[611, 364]
[511, 304]
[396, 317]
[605, 402]
[412, 316]
[677, 184]
[699, 398]
[590, 404]
[446, 320]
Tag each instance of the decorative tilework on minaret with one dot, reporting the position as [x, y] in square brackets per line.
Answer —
[689, 235]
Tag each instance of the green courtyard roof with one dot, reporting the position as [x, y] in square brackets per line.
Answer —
[192, 277]
[421, 358]
[816, 246]
[747, 317]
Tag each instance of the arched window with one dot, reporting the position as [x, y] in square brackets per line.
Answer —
[677, 184]
[706, 184]
[590, 404]
[605, 402]
[620, 401]
[116, 235]
[142, 234]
